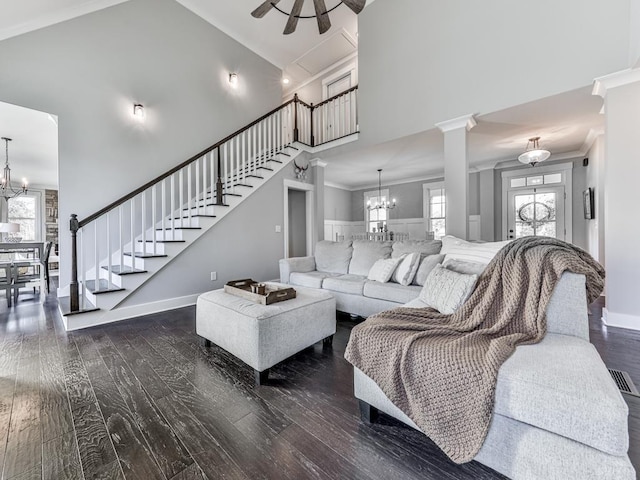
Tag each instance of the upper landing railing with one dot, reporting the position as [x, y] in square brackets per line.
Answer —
[127, 227]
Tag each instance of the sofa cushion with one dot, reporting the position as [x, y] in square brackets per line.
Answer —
[392, 292]
[561, 385]
[427, 264]
[383, 269]
[406, 270]
[333, 257]
[365, 254]
[456, 248]
[309, 279]
[446, 290]
[352, 284]
[463, 266]
[423, 247]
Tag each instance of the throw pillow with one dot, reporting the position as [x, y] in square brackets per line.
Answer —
[383, 269]
[455, 248]
[446, 290]
[365, 254]
[462, 266]
[425, 268]
[333, 257]
[424, 247]
[407, 269]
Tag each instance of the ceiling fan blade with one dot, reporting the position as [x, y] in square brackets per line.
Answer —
[263, 9]
[355, 5]
[292, 23]
[322, 16]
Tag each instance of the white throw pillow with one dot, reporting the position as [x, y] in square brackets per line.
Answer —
[407, 269]
[458, 249]
[446, 290]
[383, 269]
[462, 266]
[427, 264]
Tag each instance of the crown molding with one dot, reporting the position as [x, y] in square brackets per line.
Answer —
[465, 121]
[58, 17]
[592, 136]
[316, 162]
[614, 80]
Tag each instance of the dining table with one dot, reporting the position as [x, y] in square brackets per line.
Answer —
[20, 263]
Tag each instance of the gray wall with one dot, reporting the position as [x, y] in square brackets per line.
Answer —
[337, 204]
[243, 245]
[427, 61]
[297, 224]
[90, 70]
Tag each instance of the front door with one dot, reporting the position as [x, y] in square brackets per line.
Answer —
[536, 212]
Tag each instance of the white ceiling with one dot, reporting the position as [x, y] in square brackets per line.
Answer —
[33, 151]
[563, 122]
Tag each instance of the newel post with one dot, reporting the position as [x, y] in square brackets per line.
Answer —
[295, 118]
[74, 295]
[219, 198]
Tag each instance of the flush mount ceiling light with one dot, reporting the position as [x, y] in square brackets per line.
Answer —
[534, 154]
[322, 14]
[138, 111]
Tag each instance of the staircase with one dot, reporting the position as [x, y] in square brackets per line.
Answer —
[119, 248]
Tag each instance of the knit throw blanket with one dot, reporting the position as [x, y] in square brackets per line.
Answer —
[441, 370]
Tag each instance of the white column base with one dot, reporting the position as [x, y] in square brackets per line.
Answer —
[620, 320]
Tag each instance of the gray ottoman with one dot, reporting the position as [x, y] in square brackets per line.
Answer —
[263, 335]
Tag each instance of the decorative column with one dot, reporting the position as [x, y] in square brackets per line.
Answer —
[621, 93]
[456, 174]
[318, 182]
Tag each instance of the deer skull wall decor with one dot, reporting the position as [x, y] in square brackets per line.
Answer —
[301, 172]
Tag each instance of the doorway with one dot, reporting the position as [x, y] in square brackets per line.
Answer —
[299, 217]
[297, 223]
[536, 212]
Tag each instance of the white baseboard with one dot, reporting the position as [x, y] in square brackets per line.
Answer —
[620, 320]
[101, 317]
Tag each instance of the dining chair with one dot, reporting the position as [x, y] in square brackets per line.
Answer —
[5, 280]
[44, 261]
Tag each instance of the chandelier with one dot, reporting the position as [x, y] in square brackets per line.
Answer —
[321, 16]
[6, 189]
[379, 204]
[535, 154]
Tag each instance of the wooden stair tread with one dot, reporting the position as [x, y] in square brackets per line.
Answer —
[163, 241]
[145, 255]
[179, 228]
[265, 168]
[124, 270]
[103, 287]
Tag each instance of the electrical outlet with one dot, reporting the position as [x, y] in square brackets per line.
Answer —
[214, 276]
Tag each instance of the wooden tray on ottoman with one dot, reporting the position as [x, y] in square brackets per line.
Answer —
[242, 288]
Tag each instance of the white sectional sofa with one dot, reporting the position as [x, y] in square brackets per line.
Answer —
[557, 415]
[342, 269]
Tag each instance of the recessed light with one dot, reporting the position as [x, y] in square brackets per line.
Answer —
[286, 81]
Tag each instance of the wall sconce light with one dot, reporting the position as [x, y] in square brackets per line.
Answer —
[138, 111]
[233, 79]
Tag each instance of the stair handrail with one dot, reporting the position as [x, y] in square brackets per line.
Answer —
[168, 173]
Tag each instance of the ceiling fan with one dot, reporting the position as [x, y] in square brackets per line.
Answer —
[322, 14]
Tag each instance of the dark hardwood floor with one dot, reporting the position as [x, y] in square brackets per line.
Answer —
[142, 400]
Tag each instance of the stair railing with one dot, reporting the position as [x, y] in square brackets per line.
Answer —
[193, 189]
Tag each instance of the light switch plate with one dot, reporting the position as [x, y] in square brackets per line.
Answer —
[278, 228]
